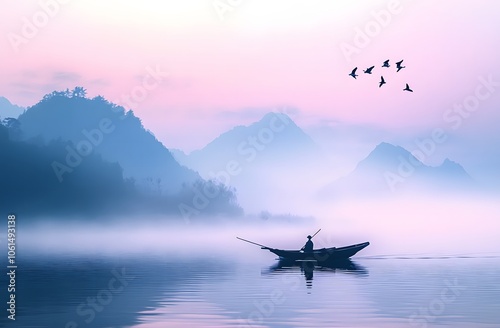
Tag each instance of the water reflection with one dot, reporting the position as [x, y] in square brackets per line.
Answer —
[307, 268]
[76, 292]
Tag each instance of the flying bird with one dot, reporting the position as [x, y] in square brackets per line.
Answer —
[368, 70]
[386, 63]
[398, 64]
[382, 82]
[353, 73]
[407, 88]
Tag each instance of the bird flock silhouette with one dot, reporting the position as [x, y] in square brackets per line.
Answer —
[386, 64]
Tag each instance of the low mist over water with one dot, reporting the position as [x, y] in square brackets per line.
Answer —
[400, 226]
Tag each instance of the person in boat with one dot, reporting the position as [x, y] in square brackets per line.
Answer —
[308, 247]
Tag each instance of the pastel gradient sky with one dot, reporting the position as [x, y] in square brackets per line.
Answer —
[264, 55]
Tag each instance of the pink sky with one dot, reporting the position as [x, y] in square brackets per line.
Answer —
[264, 55]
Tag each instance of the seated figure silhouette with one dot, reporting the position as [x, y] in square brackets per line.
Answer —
[308, 247]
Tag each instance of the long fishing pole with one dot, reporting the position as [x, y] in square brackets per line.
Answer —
[251, 242]
[315, 233]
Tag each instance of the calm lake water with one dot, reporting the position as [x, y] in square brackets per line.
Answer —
[218, 291]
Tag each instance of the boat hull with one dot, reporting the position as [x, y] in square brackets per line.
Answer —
[320, 255]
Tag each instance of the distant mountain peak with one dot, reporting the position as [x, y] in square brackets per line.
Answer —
[452, 167]
[384, 144]
[272, 119]
[391, 168]
[388, 148]
[4, 101]
[449, 162]
[387, 155]
[8, 109]
[279, 115]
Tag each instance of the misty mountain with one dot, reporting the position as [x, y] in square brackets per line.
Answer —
[96, 125]
[7, 109]
[47, 171]
[390, 169]
[274, 138]
[272, 155]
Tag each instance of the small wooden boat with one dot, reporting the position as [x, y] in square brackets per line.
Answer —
[319, 255]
